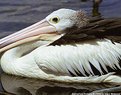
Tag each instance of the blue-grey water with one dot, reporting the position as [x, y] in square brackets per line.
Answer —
[18, 14]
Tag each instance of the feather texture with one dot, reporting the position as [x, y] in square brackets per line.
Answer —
[83, 50]
[75, 59]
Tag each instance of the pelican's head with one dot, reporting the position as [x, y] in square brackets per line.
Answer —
[54, 24]
[63, 19]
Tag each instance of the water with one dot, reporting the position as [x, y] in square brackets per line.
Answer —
[18, 14]
[15, 14]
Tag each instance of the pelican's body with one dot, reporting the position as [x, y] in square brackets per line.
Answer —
[83, 60]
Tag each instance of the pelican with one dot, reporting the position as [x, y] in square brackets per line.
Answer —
[33, 86]
[56, 49]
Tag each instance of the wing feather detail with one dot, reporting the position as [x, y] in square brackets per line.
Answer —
[96, 64]
[79, 59]
[98, 27]
[82, 53]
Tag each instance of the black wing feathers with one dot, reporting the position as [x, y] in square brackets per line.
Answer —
[97, 28]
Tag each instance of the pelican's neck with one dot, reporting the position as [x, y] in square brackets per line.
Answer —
[19, 60]
[24, 49]
[19, 51]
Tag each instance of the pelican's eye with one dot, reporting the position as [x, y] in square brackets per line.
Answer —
[54, 20]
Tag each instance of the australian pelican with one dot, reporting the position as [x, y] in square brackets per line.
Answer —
[57, 49]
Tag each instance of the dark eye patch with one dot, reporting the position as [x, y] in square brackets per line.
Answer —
[55, 19]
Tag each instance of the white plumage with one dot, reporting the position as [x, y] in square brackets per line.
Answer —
[61, 62]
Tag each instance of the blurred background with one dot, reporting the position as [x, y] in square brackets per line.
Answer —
[18, 14]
